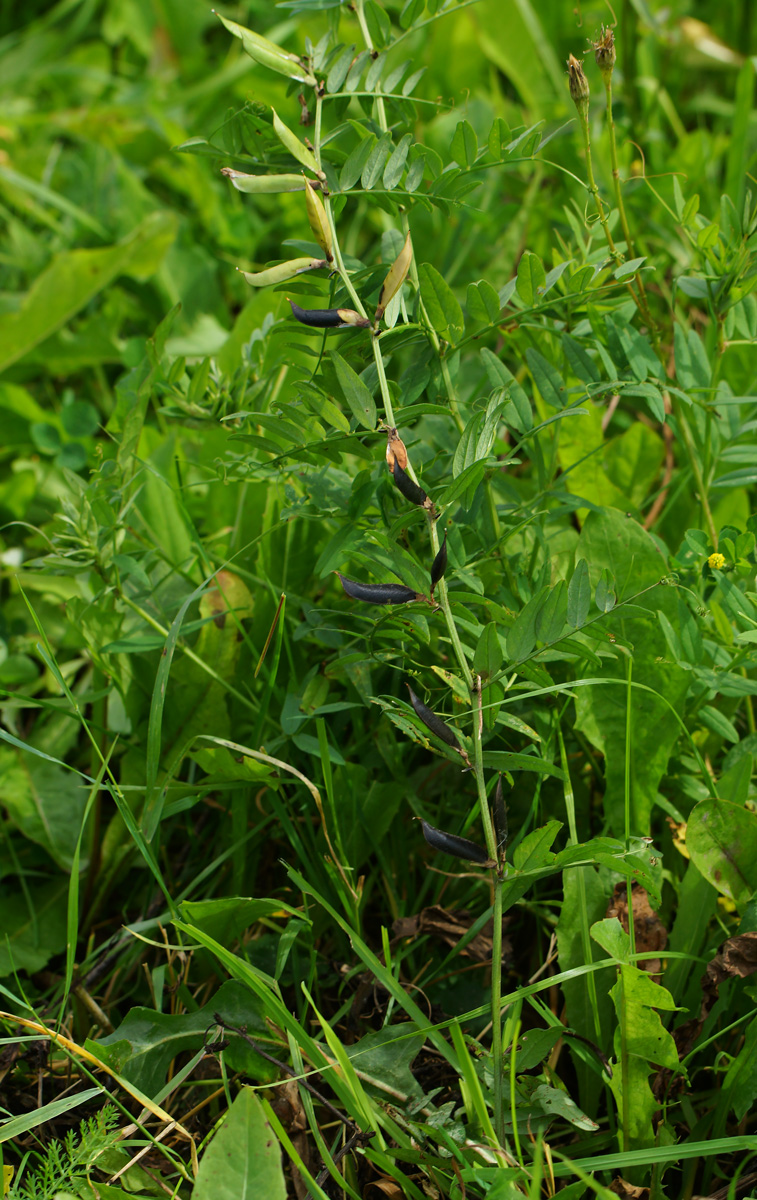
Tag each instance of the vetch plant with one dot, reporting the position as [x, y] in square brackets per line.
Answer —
[377, 736]
[550, 617]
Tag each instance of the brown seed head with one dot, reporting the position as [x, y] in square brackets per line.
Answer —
[578, 84]
[604, 53]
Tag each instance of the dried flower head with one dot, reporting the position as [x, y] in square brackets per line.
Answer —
[604, 53]
[578, 84]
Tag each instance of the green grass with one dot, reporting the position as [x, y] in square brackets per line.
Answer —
[246, 883]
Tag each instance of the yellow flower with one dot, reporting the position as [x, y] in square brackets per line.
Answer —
[717, 561]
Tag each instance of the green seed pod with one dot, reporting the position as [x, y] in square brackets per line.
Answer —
[328, 318]
[264, 184]
[500, 819]
[434, 723]
[319, 221]
[378, 593]
[396, 277]
[410, 490]
[292, 143]
[459, 847]
[439, 565]
[282, 271]
[268, 54]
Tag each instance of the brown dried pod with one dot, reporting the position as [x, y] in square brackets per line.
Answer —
[378, 593]
[439, 565]
[410, 490]
[458, 847]
[500, 819]
[395, 449]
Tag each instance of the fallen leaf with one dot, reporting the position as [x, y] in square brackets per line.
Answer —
[650, 932]
[629, 1192]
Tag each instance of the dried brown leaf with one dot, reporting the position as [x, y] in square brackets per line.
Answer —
[628, 1191]
[650, 932]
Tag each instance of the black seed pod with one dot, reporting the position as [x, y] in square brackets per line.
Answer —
[459, 847]
[378, 593]
[328, 318]
[439, 565]
[500, 818]
[321, 318]
[410, 490]
[434, 723]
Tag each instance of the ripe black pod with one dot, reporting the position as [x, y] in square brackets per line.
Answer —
[439, 565]
[410, 490]
[328, 318]
[434, 723]
[378, 593]
[458, 847]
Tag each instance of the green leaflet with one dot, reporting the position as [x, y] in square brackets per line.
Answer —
[722, 841]
[531, 277]
[243, 1161]
[442, 307]
[355, 392]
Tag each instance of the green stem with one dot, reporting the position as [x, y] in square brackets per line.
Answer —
[627, 794]
[625, 1081]
[696, 471]
[380, 110]
[622, 210]
[583, 120]
[497, 884]
[570, 806]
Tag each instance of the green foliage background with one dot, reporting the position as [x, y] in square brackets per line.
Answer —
[209, 766]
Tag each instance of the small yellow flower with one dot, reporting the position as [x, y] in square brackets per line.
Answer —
[717, 561]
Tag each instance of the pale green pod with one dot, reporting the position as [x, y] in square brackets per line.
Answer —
[268, 54]
[396, 276]
[319, 222]
[283, 271]
[262, 184]
[292, 143]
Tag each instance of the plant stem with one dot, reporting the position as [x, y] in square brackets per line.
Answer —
[497, 884]
[570, 807]
[627, 795]
[380, 110]
[696, 471]
[624, 1074]
[644, 303]
[583, 120]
